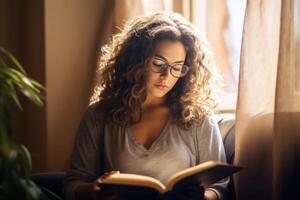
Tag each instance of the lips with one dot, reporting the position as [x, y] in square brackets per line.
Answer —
[161, 86]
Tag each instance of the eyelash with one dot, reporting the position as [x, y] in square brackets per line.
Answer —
[161, 65]
[158, 64]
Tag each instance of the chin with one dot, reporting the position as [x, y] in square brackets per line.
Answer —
[158, 94]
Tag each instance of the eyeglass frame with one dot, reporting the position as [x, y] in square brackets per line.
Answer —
[169, 66]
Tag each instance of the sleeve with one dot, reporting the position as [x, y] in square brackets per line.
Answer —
[210, 147]
[85, 161]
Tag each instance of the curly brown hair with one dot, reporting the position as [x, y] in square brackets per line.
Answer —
[121, 89]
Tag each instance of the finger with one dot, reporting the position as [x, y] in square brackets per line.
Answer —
[96, 188]
[99, 181]
[105, 175]
[115, 172]
[111, 172]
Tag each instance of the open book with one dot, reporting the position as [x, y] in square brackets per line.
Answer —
[204, 174]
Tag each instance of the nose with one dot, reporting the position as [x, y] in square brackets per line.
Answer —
[166, 73]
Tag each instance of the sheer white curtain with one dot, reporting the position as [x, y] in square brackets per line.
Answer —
[267, 127]
[127, 9]
[287, 107]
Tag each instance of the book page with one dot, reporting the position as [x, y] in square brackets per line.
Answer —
[188, 172]
[204, 174]
[134, 179]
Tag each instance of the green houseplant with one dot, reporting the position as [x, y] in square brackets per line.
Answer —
[15, 160]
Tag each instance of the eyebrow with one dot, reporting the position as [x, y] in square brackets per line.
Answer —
[163, 58]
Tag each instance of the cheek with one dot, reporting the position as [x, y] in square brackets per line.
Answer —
[150, 78]
[173, 81]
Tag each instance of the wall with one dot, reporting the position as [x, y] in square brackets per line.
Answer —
[71, 41]
[57, 42]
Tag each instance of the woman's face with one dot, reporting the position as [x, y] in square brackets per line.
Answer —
[166, 53]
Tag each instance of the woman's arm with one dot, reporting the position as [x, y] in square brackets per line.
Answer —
[85, 160]
[93, 190]
[210, 147]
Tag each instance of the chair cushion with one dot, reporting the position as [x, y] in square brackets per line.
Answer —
[226, 123]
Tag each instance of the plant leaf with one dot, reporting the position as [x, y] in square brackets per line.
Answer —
[11, 74]
[32, 95]
[24, 160]
[12, 160]
[33, 192]
[13, 59]
[15, 160]
[4, 132]
[7, 89]
[38, 85]
[25, 85]
[13, 94]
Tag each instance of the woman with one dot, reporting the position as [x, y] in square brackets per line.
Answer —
[155, 100]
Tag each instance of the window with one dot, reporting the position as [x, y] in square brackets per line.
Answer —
[223, 26]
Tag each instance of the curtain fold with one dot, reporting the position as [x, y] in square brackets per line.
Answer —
[255, 107]
[267, 126]
[287, 110]
[127, 9]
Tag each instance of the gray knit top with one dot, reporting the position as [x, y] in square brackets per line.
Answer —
[175, 149]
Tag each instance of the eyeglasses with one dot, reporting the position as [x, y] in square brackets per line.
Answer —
[176, 70]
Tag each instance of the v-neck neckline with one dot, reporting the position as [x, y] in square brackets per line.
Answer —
[154, 143]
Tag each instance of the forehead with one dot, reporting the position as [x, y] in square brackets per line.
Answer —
[171, 50]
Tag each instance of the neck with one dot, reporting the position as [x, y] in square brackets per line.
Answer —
[154, 101]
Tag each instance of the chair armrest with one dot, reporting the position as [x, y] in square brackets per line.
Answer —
[52, 181]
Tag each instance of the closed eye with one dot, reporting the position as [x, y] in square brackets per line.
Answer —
[158, 63]
[177, 68]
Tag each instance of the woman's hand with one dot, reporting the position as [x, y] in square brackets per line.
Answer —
[92, 191]
[210, 195]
